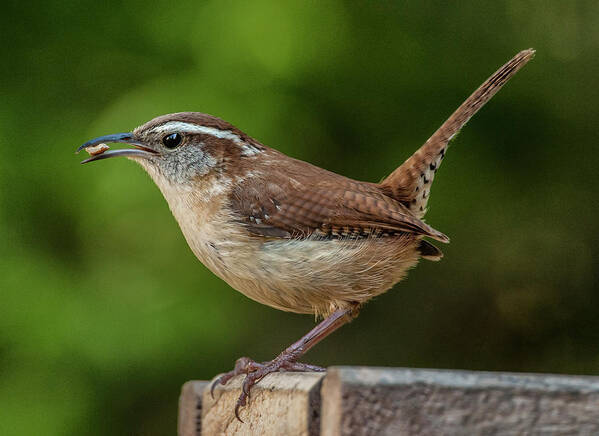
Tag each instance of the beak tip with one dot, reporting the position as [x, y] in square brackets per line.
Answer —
[117, 137]
[81, 147]
[102, 153]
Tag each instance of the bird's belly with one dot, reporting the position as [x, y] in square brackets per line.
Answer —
[310, 275]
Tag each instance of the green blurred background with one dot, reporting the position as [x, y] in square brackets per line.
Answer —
[105, 312]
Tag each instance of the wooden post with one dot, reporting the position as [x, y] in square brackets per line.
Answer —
[190, 408]
[397, 401]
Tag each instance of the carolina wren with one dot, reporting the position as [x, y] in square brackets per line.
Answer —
[286, 233]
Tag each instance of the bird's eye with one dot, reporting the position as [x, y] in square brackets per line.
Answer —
[172, 140]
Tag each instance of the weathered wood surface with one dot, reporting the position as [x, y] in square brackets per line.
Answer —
[380, 401]
[190, 408]
[397, 401]
[281, 404]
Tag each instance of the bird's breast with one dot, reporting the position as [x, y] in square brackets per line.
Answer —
[307, 275]
[304, 275]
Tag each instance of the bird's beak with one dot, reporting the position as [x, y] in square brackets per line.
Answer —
[140, 150]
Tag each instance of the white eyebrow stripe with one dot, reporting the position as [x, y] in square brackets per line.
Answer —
[173, 126]
[249, 150]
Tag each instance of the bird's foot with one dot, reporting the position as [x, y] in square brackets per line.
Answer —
[286, 361]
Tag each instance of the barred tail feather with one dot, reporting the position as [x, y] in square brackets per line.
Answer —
[411, 182]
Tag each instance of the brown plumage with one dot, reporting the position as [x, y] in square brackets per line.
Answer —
[287, 233]
[299, 200]
[410, 183]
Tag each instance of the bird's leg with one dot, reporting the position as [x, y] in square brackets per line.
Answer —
[287, 360]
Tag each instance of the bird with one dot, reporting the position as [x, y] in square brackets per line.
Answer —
[286, 233]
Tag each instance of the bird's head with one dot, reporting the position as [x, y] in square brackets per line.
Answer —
[178, 149]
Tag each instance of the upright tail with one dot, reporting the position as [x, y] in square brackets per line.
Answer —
[411, 182]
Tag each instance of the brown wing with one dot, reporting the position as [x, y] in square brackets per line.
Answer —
[319, 202]
[411, 182]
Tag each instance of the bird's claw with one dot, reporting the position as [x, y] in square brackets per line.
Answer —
[243, 365]
[239, 404]
[257, 371]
